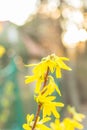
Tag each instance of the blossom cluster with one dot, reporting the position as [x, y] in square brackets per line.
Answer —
[46, 101]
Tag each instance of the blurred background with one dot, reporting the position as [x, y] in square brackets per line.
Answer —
[30, 30]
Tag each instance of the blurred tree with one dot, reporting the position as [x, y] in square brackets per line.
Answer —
[44, 32]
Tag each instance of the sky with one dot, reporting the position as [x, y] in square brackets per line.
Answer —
[16, 11]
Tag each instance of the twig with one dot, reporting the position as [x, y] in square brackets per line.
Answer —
[39, 106]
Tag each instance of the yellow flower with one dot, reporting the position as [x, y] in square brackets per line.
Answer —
[76, 116]
[48, 106]
[54, 63]
[28, 125]
[39, 125]
[2, 51]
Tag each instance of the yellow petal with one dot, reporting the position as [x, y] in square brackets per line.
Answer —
[30, 79]
[45, 119]
[58, 72]
[38, 86]
[63, 65]
[42, 127]
[50, 98]
[64, 58]
[51, 65]
[77, 125]
[79, 117]
[26, 127]
[46, 111]
[59, 104]
[55, 112]
[57, 89]
[30, 118]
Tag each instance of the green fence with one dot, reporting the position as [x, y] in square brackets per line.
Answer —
[11, 113]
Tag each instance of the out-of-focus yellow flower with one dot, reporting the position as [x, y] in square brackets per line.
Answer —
[48, 106]
[76, 116]
[40, 123]
[71, 124]
[66, 124]
[2, 51]
[57, 125]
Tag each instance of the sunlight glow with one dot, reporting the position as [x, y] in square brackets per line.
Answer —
[73, 36]
[70, 39]
[73, 15]
[75, 3]
[53, 4]
[82, 35]
[16, 11]
[74, 31]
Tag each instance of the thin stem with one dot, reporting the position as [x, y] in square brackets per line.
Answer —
[39, 106]
[45, 80]
[37, 114]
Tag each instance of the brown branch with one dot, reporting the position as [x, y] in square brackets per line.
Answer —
[39, 106]
[37, 114]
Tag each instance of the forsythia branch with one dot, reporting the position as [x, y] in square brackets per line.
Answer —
[45, 87]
